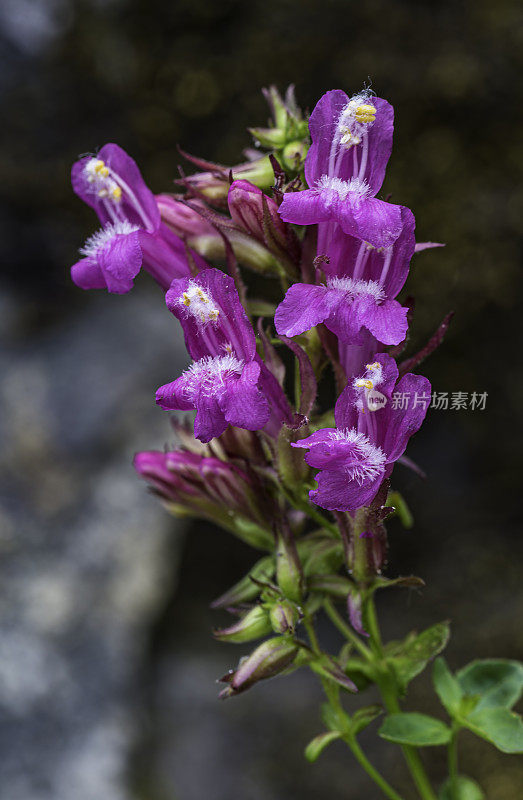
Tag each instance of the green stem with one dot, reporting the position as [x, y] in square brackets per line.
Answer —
[344, 629]
[373, 773]
[388, 691]
[453, 763]
[332, 694]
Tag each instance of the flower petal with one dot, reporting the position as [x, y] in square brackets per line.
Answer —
[303, 307]
[387, 322]
[304, 208]
[372, 220]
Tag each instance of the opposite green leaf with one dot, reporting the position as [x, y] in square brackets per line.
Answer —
[316, 747]
[499, 726]
[419, 730]
[411, 657]
[447, 687]
[465, 789]
[363, 717]
[498, 682]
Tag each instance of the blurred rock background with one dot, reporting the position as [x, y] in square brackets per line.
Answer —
[107, 668]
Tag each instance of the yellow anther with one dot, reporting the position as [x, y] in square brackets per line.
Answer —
[365, 113]
[364, 383]
[373, 366]
[203, 297]
[99, 166]
[186, 299]
[117, 193]
[214, 314]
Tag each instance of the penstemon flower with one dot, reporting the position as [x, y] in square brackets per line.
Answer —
[356, 456]
[132, 232]
[303, 478]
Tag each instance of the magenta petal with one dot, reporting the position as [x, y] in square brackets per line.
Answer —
[231, 326]
[401, 423]
[303, 307]
[304, 208]
[175, 396]
[243, 404]
[87, 274]
[322, 125]
[388, 322]
[379, 144]
[127, 169]
[120, 261]
[336, 492]
[372, 220]
[210, 420]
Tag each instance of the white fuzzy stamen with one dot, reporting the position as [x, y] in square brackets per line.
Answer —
[98, 240]
[343, 188]
[357, 287]
[98, 175]
[370, 459]
[355, 119]
[212, 370]
[199, 304]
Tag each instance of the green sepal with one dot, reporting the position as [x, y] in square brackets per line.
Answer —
[401, 508]
[247, 588]
[418, 730]
[316, 747]
[332, 585]
[363, 717]
[462, 789]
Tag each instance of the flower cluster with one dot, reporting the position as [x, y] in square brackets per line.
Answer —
[307, 216]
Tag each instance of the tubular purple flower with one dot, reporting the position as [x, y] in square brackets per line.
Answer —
[360, 452]
[132, 231]
[224, 382]
[345, 167]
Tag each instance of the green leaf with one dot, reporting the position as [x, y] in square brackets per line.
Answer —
[447, 687]
[465, 789]
[499, 726]
[410, 657]
[361, 672]
[316, 747]
[363, 717]
[419, 730]
[260, 308]
[497, 682]
[401, 508]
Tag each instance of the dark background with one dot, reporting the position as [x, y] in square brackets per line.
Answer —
[107, 665]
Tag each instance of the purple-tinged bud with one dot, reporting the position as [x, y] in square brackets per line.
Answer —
[213, 186]
[269, 659]
[289, 572]
[252, 210]
[184, 220]
[284, 616]
[253, 625]
[257, 214]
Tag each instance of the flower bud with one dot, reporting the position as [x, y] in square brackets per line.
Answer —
[284, 616]
[213, 186]
[253, 625]
[270, 658]
[293, 155]
[247, 588]
[289, 574]
[184, 220]
[255, 212]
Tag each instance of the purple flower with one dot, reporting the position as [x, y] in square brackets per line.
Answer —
[132, 232]
[227, 383]
[345, 167]
[371, 434]
[223, 390]
[362, 282]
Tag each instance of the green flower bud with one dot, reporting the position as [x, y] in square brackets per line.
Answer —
[293, 155]
[284, 616]
[289, 573]
[254, 624]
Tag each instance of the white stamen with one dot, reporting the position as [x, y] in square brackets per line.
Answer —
[355, 120]
[212, 369]
[371, 459]
[98, 240]
[199, 304]
[344, 188]
[355, 287]
[97, 174]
